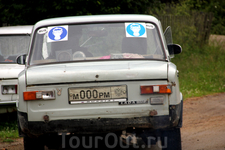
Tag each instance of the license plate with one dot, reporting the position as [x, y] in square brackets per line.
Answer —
[97, 93]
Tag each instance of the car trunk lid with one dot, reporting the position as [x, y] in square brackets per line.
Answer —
[96, 72]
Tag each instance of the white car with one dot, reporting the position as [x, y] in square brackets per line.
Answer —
[100, 74]
[14, 41]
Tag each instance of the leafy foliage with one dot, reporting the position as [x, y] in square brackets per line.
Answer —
[190, 7]
[216, 7]
[16, 12]
[8, 127]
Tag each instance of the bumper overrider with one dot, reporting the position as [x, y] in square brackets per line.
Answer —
[101, 125]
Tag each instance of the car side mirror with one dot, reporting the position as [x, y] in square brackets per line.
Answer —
[21, 59]
[174, 49]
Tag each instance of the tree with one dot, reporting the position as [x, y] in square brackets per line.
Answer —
[16, 12]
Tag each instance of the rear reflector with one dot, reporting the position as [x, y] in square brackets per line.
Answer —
[151, 89]
[38, 95]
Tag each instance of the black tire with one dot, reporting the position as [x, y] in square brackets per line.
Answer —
[171, 139]
[33, 143]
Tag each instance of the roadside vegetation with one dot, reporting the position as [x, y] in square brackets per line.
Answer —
[8, 127]
[201, 70]
[201, 63]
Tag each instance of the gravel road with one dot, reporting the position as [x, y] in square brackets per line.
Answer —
[203, 125]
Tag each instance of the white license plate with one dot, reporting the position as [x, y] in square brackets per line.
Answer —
[97, 93]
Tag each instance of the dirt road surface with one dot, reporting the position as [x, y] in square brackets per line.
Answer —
[203, 125]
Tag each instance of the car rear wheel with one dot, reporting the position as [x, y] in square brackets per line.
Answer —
[33, 143]
[171, 139]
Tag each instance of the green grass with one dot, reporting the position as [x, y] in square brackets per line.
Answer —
[8, 140]
[8, 127]
[201, 70]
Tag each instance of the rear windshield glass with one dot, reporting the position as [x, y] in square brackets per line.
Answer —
[11, 46]
[96, 42]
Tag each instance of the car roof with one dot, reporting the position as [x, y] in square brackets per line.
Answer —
[23, 29]
[96, 19]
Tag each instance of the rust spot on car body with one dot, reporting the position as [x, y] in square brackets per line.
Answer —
[153, 113]
[173, 83]
[46, 118]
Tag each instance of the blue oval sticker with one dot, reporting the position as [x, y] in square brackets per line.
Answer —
[135, 29]
[57, 33]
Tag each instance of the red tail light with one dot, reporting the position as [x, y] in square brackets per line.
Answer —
[38, 95]
[151, 89]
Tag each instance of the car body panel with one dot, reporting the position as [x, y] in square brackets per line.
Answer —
[8, 76]
[10, 71]
[61, 109]
[12, 30]
[9, 68]
[97, 71]
[96, 19]
[173, 75]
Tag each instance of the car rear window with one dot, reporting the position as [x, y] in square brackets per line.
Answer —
[12, 46]
[126, 40]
